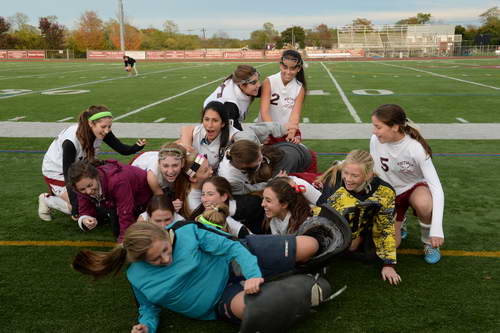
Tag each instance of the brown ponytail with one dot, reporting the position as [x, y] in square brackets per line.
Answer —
[139, 237]
[392, 114]
[84, 133]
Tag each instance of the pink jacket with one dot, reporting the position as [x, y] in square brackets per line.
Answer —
[124, 188]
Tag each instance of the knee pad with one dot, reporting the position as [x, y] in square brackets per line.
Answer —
[280, 303]
[332, 232]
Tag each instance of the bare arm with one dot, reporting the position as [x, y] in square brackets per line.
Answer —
[153, 183]
[265, 100]
[297, 108]
[186, 138]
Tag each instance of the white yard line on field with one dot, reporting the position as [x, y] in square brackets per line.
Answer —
[98, 81]
[36, 75]
[462, 120]
[440, 75]
[351, 109]
[17, 118]
[64, 119]
[159, 120]
[142, 108]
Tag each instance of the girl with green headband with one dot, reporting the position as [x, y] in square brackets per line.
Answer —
[80, 141]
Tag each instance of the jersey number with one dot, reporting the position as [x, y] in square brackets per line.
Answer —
[384, 161]
[274, 99]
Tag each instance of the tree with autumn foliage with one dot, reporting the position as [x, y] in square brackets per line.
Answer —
[90, 32]
[52, 33]
[133, 36]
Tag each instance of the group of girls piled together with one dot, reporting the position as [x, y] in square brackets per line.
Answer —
[261, 180]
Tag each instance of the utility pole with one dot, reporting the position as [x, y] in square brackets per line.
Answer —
[203, 30]
[122, 30]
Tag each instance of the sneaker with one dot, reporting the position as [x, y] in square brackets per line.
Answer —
[431, 255]
[404, 231]
[43, 209]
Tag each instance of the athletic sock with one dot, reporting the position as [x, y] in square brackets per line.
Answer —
[425, 230]
[58, 203]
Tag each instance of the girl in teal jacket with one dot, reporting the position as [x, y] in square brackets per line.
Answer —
[187, 268]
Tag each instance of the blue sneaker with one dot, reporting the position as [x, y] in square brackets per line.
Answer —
[431, 255]
[404, 231]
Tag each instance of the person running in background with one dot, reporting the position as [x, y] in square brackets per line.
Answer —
[404, 159]
[78, 142]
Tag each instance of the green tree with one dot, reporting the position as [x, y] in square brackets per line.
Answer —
[292, 36]
[153, 39]
[421, 18]
[259, 39]
[6, 39]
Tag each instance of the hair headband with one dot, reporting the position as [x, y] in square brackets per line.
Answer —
[170, 150]
[246, 81]
[198, 161]
[100, 115]
[205, 221]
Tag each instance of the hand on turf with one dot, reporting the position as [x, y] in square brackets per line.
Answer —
[177, 204]
[389, 274]
[437, 241]
[140, 328]
[141, 142]
[90, 222]
[252, 286]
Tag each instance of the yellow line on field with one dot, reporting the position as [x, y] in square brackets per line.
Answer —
[455, 253]
[451, 253]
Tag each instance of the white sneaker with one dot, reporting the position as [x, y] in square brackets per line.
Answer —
[43, 209]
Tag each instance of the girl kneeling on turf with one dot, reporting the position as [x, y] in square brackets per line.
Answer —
[112, 192]
[197, 257]
[81, 141]
[404, 159]
[367, 203]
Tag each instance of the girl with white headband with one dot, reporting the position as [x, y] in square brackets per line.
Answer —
[78, 142]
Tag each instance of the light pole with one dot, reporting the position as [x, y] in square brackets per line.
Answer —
[122, 30]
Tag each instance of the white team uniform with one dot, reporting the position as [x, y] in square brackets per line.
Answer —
[147, 161]
[282, 98]
[239, 181]
[210, 149]
[404, 164]
[231, 92]
[52, 165]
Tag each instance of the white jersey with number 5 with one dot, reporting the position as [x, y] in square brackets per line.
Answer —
[405, 163]
[282, 98]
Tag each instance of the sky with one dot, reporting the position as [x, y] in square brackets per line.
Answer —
[239, 18]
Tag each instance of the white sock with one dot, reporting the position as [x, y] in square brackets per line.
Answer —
[425, 230]
[57, 203]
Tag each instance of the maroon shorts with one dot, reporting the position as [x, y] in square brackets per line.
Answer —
[403, 201]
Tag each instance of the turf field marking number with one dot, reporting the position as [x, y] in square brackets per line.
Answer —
[64, 92]
[372, 92]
